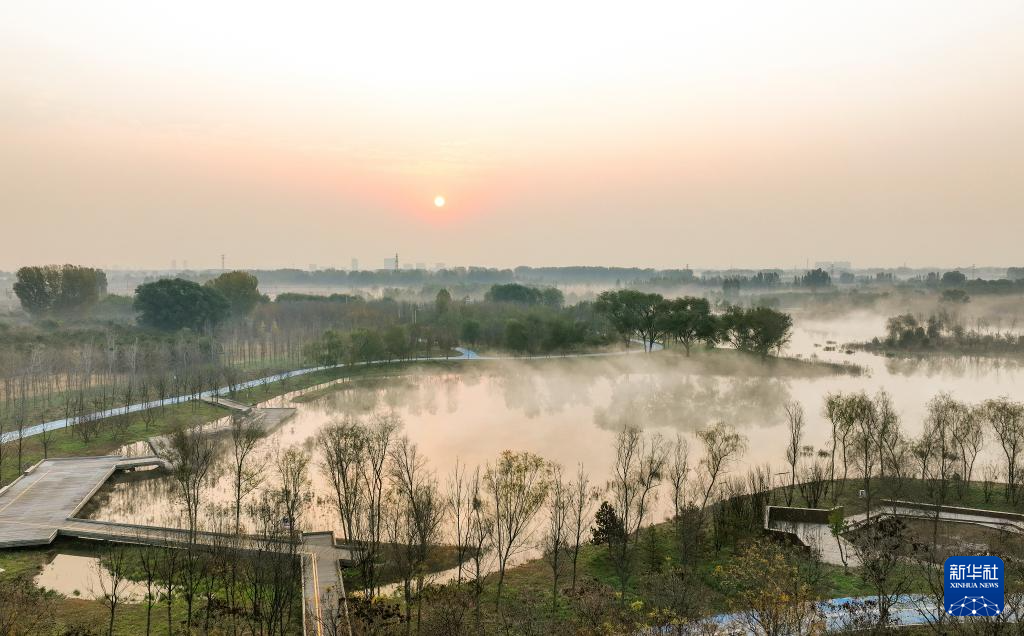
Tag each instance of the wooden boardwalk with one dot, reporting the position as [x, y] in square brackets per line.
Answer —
[42, 504]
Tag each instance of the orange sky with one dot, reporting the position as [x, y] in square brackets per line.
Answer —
[658, 134]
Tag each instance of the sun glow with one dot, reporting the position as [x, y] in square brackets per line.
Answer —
[439, 201]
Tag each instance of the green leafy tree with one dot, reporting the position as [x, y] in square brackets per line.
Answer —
[471, 331]
[35, 290]
[608, 529]
[816, 279]
[954, 278]
[517, 336]
[396, 342]
[688, 321]
[524, 295]
[63, 290]
[634, 313]
[329, 350]
[173, 303]
[365, 345]
[443, 301]
[241, 290]
[759, 330]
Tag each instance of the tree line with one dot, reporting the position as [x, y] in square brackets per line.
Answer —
[651, 318]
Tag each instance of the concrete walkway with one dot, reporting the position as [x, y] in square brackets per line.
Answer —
[819, 537]
[35, 506]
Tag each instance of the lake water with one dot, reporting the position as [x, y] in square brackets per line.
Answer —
[80, 576]
[568, 411]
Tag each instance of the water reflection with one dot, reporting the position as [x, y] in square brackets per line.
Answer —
[569, 410]
[86, 577]
[689, 404]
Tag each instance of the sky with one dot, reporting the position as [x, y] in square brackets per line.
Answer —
[709, 134]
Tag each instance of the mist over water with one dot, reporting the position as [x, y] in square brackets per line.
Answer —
[569, 410]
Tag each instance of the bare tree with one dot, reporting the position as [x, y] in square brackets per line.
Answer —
[722, 445]
[969, 436]
[46, 437]
[582, 498]
[149, 562]
[639, 466]
[457, 503]
[246, 433]
[112, 574]
[862, 418]
[836, 413]
[1007, 421]
[191, 454]
[814, 482]
[877, 546]
[556, 535]
[421, 509]
[678, 471]
[379, 437]
[294, 490]
[518, 485]
[795, 420]
[480, 529]
[343, 447]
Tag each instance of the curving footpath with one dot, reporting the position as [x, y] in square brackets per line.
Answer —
[464, 354]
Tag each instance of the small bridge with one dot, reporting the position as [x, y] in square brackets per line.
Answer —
[228, 403]
[42, 503]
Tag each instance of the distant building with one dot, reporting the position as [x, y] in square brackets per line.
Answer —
[355, 265]
[829, 266]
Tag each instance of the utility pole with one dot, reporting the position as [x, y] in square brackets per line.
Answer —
[222, 268]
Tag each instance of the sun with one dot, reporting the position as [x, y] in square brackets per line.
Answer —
[439, 201]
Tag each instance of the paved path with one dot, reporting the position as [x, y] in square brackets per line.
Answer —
[464, 354]
[34, 506]
[818, 536]
[975, 517]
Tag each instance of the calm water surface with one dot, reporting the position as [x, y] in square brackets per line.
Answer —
[568, 411]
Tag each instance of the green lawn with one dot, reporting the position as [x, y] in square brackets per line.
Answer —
[976, 494]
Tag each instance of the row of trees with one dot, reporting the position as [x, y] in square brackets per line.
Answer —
[867, 436]
[943, 332]
[59, 290]
[652, 318]
[175, 303]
